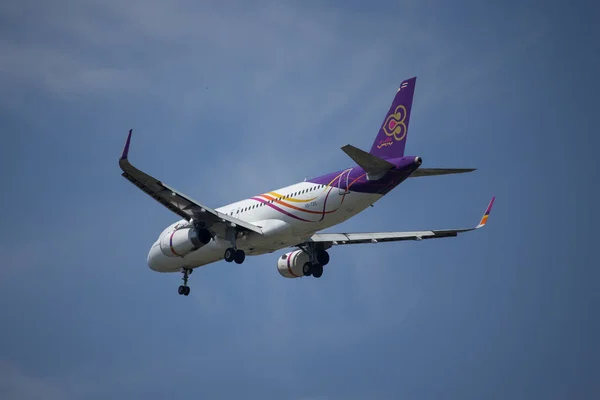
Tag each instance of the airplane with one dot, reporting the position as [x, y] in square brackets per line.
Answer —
[292, 216]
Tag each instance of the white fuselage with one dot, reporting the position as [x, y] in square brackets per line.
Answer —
[287, 216]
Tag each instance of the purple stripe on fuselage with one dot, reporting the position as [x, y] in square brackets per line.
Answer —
[322, 213]
[267, 202]
[325, 204]
[357, 182]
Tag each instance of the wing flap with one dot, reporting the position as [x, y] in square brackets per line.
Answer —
[177, 202]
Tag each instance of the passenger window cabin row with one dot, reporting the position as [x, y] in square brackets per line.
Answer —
[245, 209]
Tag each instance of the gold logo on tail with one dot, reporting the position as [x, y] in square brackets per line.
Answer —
[394, 124]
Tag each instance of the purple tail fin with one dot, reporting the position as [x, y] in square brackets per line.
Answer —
[391, 139]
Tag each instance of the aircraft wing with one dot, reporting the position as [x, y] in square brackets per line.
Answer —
[179, 203]
[439, 171]
[333, 239]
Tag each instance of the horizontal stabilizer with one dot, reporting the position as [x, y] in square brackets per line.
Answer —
[439, 171]
[374, 166]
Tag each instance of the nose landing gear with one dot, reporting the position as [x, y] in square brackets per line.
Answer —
[185, 289]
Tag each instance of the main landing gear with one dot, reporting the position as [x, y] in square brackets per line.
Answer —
[185, 289]
[319, 258]
[232, 254]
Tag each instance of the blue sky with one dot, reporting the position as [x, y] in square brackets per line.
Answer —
[228, 101]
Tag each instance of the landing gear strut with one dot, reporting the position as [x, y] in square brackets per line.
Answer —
[185, 289]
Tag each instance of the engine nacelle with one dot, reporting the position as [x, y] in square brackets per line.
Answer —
[290, 264]
[180, 242]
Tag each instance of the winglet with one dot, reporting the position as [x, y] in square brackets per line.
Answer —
[486, 214]
[126, 148]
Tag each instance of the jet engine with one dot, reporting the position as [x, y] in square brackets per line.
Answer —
[290, 264]
[180, 242]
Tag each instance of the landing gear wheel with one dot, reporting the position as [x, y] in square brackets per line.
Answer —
[239, 256]
[317, 270]
[229, 254]
[185, 289]
[307, 269]
[322, 257]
